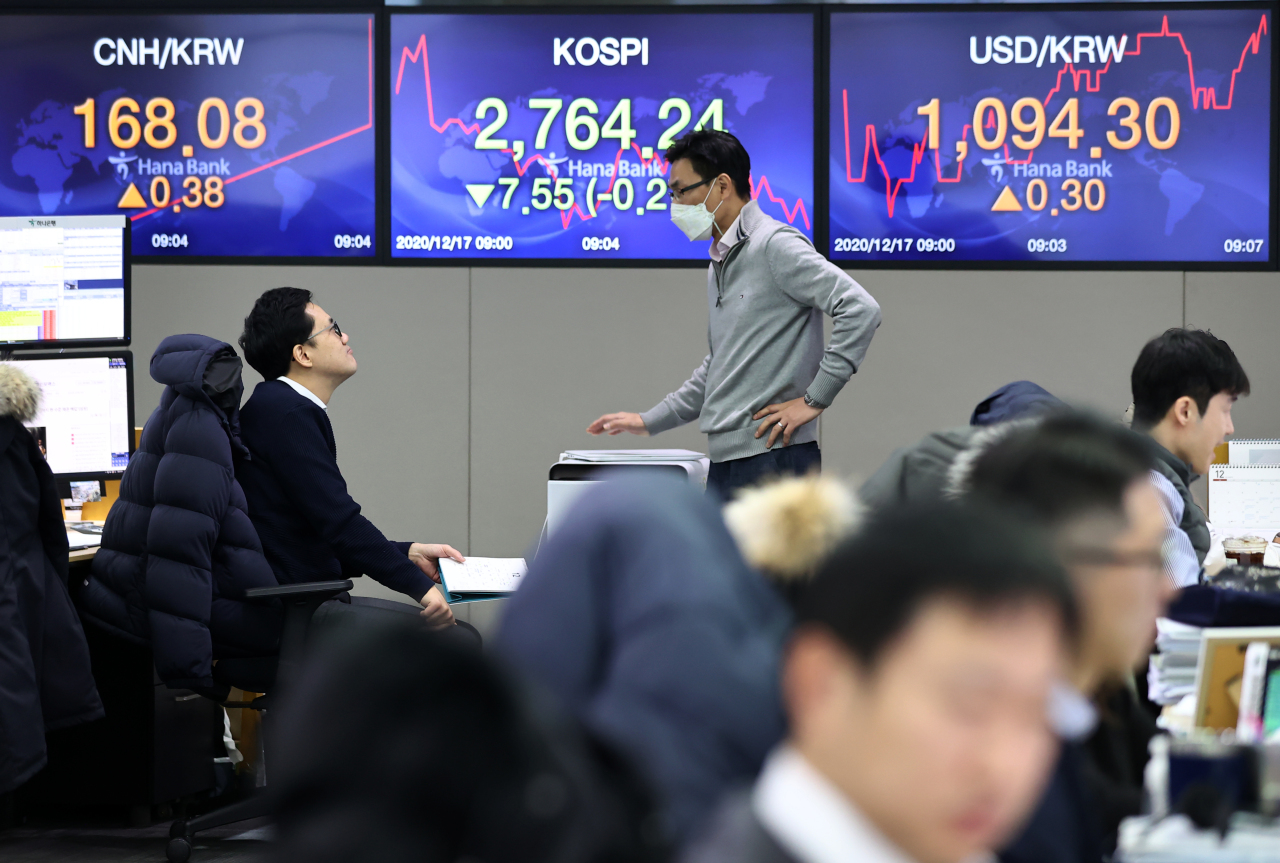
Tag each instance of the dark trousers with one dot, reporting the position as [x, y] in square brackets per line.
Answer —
[726, 477]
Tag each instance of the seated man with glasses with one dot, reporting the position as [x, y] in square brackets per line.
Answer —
[310, 528]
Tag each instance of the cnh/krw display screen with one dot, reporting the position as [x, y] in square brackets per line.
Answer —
[218, 135]
[542, 136]
[62, 280]
[83, 424]
[1138, 134]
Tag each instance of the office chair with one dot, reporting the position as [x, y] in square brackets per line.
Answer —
[267, 674]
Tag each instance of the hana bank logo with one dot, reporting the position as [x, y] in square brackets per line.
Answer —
[1068, 49]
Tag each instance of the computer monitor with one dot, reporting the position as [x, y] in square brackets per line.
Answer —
[85, 423]
[64, 281]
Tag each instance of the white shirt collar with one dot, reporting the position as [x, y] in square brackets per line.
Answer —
[1071, 713]
[720, 247]
[812, 819]
[304, 392]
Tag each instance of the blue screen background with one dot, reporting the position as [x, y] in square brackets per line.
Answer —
[1179, 204]
[761, 65]
[313, 74]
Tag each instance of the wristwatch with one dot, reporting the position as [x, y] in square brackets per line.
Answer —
[811, 403]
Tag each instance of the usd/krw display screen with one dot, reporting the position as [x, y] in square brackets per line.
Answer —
[1138, 134]
[542, 136]
[218, 135]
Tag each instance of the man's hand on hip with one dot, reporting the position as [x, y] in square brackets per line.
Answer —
[785, 418]
[618, 423]
[435, 610]
[427, 556]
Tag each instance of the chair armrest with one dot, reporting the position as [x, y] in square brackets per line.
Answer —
[308, 588]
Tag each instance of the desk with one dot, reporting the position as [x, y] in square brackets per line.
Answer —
[82, 555]
[1176, 840]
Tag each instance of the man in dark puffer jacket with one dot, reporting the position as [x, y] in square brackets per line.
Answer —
[179, 550]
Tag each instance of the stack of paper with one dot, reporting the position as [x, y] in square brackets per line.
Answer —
[630, 456]
[482, 576]
[77, 540]
[1171, 674]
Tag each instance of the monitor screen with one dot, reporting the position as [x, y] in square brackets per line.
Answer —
[85, 424]
[1135, 134]
[541, 136]
[217, 135]
[63, 280]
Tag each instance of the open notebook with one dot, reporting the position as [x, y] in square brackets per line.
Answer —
[488, 576]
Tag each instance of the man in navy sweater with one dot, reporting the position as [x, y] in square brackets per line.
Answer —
[311, 529]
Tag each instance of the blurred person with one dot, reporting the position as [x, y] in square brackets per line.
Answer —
[767, 291]
[311, 528]
[46, 681]
[786, 528]
[917, 686]
[1088, 482]
[641, 619]
[919, 472]
[404, 747]
[1185, 383]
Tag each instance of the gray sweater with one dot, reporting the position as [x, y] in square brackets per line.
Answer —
[767, 299]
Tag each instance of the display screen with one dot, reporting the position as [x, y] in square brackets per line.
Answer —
[1107, 135]
[218, 135]
[84, 425]
[62, 279]
[542, 136]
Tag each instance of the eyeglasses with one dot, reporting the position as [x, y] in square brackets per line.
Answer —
[333, 325]
[677, 192]
[1107, 557]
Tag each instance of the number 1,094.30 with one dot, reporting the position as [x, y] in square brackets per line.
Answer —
[991, 123]
[159, 131]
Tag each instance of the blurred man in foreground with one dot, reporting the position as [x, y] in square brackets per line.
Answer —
[1088, 483]
[917, 686]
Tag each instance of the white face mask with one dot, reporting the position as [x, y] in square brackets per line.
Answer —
[695, 219]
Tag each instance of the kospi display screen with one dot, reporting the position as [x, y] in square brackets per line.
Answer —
[1138, 134]
[542, 135]
[218, 135]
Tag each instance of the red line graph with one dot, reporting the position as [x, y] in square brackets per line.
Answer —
[1200, 97]
[419, 51]
[249, 173]
[1209, 94]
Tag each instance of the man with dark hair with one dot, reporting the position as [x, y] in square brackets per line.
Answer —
[767, 288]
[1088, 483]
[311, 529]
[917, 686]
[1185, 383]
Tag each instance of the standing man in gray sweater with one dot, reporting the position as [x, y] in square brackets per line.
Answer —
[767, 376]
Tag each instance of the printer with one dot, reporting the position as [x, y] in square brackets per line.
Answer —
[578, 470]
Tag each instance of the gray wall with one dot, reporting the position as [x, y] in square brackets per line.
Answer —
[473, 380]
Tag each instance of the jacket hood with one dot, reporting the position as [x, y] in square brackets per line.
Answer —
[786, 528]
[19, 394]
[960, 474]
[1011, 401]
[199, 367]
